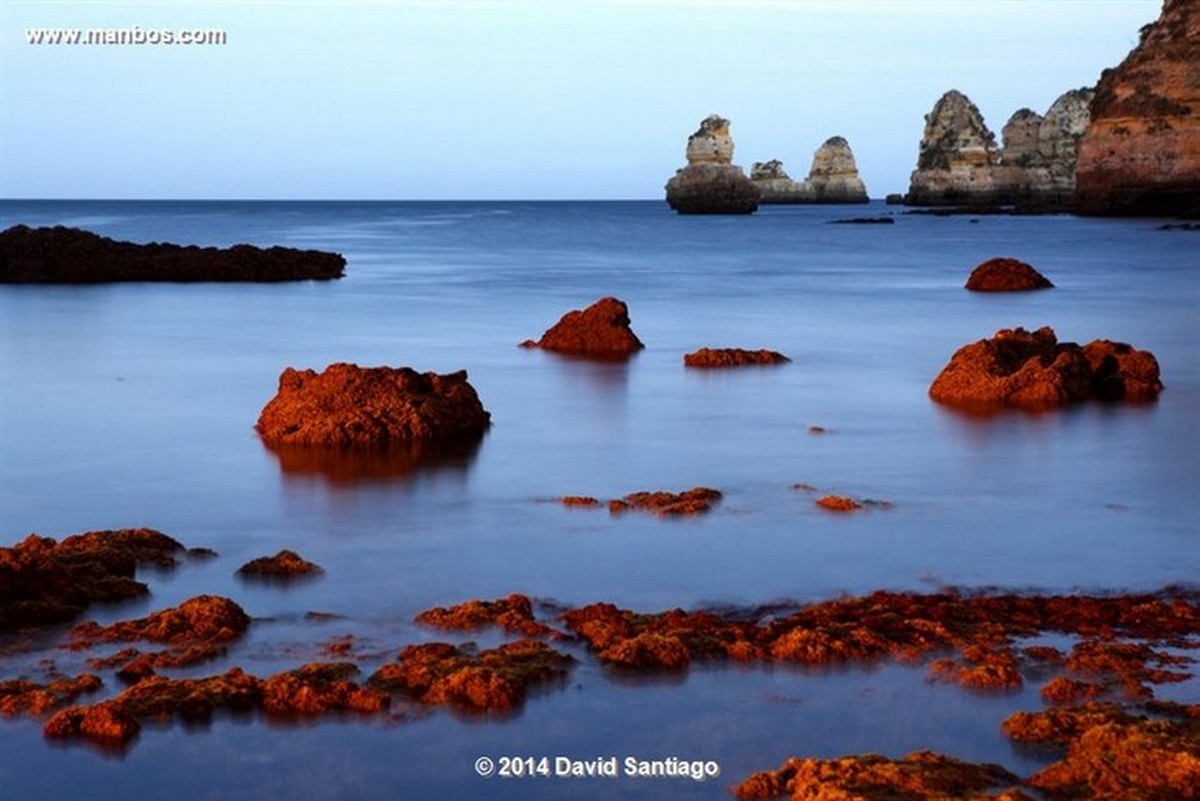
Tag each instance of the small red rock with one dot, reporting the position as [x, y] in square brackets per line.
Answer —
[733, 357]
[599, 331]
[1006, 275]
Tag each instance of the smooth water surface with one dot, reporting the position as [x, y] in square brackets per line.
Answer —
[133, 405]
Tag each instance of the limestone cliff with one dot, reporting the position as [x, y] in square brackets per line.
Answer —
[711, 183]
[1141, 152]
[959, 163]
[833, 178]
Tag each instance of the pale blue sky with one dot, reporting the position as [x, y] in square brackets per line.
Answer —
[443, 99]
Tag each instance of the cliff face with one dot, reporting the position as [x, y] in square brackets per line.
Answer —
[833, 178]
[711, 183]
[1141, 152]
[960, 164]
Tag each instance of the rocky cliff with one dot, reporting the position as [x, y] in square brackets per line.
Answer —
[1141, 152]
[833, 178]
[711, 183]
[959, 162]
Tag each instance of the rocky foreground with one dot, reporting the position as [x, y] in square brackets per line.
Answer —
[1102, 730]
[62, 255]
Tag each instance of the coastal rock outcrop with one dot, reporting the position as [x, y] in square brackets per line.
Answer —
[833, 178]
[286, 564]
[1006, 275]
[733, 357]
[1035, 371]
[777, 187]
[1141, 152]
[347, 406]
[74, 256]
[601, 331]
[959, 163]
[711, 183]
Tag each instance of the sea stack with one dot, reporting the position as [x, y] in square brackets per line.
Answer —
[834, 174]
[711, 183]
[1141, 152]
[959, 163]
[833, 178]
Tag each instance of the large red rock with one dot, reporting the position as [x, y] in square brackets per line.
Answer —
[1006, 275]
[1141, 152]
[348, 406]
[600, 331]
[1035, 371]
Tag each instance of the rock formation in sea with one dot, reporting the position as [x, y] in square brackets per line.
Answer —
[1006, 275]
[347, 406]
[1141, 152]
[733, 357]
[777, 187]
[711, 183]
[71, 255]
[833, 178]
[1035, 371]
[601, 331]
[960, 164]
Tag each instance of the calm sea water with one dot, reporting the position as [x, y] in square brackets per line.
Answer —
[133, 405]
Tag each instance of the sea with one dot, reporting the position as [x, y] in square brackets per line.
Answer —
[130, 405]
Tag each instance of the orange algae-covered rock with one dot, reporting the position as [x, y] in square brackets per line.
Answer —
[985, 668]
[495, 680]
[602, 330]
[317, 688]
[579, 501]
[285, 564]
[20, 696]
[1122, 372]
[1146, 759]
[733, 357]
[838, 503]
[648, 650]
[348, 406]
[1006, 275]
[105, 722]
[513, 614]
[919, 776]
[205, 617]
[43, 581]
[697, 500]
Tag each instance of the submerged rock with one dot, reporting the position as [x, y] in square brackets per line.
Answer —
[285, 564]
[71, 255]
[711, 183]
[1006, 275]
[512, 614]
[600, 331]
[1141, 152]
[1035, 371]
[347, 406]
[697, 500]
[43, 581]
[733, 357]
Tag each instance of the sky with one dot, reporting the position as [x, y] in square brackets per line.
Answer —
[511, 99]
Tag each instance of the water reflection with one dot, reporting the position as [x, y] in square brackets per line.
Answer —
[346, 467]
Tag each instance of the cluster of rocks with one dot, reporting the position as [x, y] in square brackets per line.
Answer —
[1131, 145]
[71, 255]
[833, 178]
[712, 184]
[959, 163]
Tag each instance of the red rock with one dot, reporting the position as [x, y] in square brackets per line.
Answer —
[919, 776]
[19, 696]
[733, 357]
[697, 500]
[348, 406]
[494, 680]
[1006, 275]
[1121, 372]
[319, 688]
[513, 614]
[599, 331]
[1035, 371]
[285, 564]
[43, 581]
[205, 618]
[838, 503]
[579, 501]
[1141, 152]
